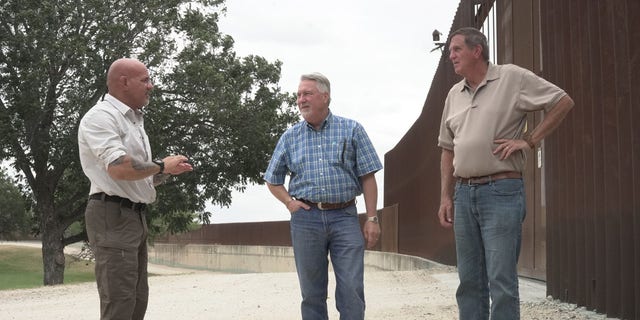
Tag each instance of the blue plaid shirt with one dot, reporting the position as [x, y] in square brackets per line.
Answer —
[324, 165]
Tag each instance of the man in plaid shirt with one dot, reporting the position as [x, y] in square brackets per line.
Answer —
[330, 161]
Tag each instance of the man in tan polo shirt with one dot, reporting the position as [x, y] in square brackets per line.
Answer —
[483, 155]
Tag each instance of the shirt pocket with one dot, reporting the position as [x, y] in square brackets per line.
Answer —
[343, 153]
[335, 151]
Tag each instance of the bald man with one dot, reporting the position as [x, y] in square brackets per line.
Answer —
[116, 157]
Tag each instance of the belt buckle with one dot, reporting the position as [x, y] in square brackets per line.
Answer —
[320, 206]
[486, 179]
[480, 180]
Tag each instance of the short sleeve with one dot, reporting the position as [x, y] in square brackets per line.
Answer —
[366, 156]
[536, 93]
[445, 138]
[277, 169]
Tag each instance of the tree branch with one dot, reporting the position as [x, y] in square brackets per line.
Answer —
[82, 236]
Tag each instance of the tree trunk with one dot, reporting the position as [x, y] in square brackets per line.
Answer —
[53, 258]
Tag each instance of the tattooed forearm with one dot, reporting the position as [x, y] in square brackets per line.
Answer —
[160, 178]
[142, 166]
[135, 164]
[128, 168]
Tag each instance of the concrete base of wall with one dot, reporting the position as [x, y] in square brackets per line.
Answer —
[257, 259]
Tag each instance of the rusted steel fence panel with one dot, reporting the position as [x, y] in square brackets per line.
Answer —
[592, 49]
[412, 169]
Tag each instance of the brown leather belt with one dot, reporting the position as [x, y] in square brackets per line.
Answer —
[329, 206]
[124, 202]
[493, 177]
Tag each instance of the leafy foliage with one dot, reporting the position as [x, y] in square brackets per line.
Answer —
[14, 219]
[224, 112]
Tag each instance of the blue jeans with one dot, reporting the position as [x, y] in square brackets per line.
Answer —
[488, 227]
[315, 234]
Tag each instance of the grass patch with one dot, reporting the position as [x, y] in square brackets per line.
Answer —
[21, 267]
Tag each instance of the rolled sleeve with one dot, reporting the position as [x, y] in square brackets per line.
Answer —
[103, 138]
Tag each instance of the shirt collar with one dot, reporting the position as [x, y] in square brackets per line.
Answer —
[123, 108]
[493, 73]
[325, 123]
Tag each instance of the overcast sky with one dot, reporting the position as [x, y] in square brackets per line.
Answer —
[375, 53]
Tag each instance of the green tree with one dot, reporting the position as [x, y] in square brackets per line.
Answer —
[14, 218]
[223, 111]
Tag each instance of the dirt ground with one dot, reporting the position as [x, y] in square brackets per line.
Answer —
[194, 294]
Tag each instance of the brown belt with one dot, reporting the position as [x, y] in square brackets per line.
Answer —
[124, 202]
[329, 206]
[493, 177]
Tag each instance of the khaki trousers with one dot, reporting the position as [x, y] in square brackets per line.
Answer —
[118, 236]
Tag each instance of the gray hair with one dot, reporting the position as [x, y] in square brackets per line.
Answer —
[322, 83]
[472, 38]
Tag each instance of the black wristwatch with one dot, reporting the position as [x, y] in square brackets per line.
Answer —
[161, 164]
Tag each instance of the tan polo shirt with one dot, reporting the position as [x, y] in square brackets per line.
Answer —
[471, 121]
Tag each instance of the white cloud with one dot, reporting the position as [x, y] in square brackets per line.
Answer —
[375, 53]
